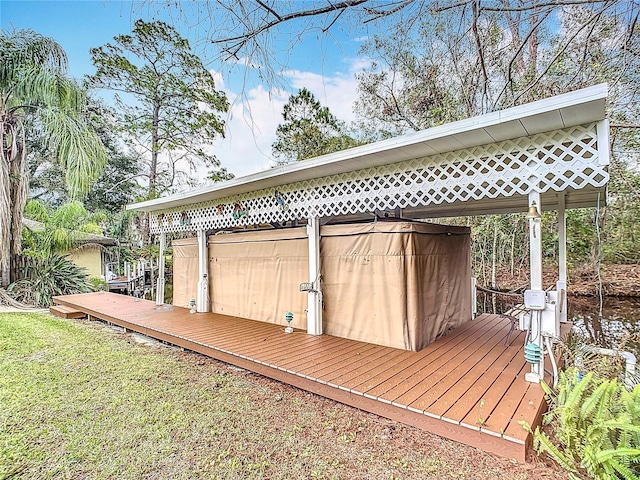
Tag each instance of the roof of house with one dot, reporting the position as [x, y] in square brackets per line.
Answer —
[83, 237]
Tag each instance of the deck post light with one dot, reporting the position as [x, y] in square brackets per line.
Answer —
[192, 304]
[289, 318]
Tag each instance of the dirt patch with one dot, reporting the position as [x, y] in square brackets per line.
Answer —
[616, 280]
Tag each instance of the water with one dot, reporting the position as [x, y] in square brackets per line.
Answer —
[618, 327]
[620, 319]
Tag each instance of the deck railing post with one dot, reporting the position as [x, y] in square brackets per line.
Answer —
[161, 281]
[535, 259]
[202, 296]
[314, 300]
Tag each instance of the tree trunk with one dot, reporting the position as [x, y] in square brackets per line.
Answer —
[153, 170]
[14, 183]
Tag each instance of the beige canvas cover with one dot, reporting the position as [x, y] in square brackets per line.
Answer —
[185, 271]
[257, 274]
[399, 284]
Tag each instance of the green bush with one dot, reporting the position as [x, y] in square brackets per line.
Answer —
[46, 277]
[98, 285]
[594, 427]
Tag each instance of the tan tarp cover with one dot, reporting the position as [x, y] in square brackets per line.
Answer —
[185, 271]
[257, 275]
[398, 284]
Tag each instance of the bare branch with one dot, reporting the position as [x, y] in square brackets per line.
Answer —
[476, 37]
[385, 13]
[561, 52]
[286, 18]
[269, 9]
[523, 8]
[515, 56]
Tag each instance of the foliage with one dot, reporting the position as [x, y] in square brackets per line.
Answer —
[46, 277]
[62, 229]
[98, 285]
[35, 93]
[309, 130]
[115, 187]
[596, 425]
[175, 109]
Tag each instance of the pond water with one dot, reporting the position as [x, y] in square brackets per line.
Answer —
[620, 319]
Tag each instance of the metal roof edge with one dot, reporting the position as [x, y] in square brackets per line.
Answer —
[313, 166]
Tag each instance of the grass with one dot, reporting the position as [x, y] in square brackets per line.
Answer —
[80, 400]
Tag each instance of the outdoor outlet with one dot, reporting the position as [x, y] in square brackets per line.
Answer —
[306, 287]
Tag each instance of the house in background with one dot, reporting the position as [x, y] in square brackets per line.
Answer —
[90, 253]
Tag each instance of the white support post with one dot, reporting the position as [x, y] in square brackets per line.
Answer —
[535, 258]
[561, 285]
[314, 300]
[160, 284]
[602, 130]
[474, 297]
[202, 300]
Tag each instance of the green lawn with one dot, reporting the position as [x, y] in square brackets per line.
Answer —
[80, 400]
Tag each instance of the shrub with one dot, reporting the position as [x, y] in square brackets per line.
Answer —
[98, 285]
[46, 277]
[594, 427]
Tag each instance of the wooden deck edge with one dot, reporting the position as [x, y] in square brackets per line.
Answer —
[64, 311]
[491, 443]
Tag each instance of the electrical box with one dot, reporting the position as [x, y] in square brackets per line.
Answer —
[535, 299]
[550, 319]
[524, 321]
[306, 287]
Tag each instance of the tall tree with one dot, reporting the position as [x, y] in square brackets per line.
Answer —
[476, 58]
[175, 108]
[309, 130]
[35, 93]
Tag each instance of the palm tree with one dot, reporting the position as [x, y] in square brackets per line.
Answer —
[36, 93]
[69, 226]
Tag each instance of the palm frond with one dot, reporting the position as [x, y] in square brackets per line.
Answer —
[36, 210]
[79, 149]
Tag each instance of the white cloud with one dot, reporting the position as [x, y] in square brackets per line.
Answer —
[255, 114]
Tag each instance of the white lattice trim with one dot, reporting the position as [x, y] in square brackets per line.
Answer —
[558, 160]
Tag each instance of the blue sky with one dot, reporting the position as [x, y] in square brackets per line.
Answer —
[325, 65]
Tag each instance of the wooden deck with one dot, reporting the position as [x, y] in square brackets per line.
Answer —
[468, 386]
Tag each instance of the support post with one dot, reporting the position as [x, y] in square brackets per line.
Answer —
[314, 300]
[602, 130]
[535, 272]
[561, 285]
[202, 296]
[160, 284]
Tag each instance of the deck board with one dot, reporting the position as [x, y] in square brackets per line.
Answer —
[467, 386]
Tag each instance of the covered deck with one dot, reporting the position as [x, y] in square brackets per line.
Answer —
[468, 386]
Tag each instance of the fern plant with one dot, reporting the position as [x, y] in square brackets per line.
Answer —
[595, 425]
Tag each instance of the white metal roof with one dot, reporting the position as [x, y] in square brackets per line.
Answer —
[575, 108]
